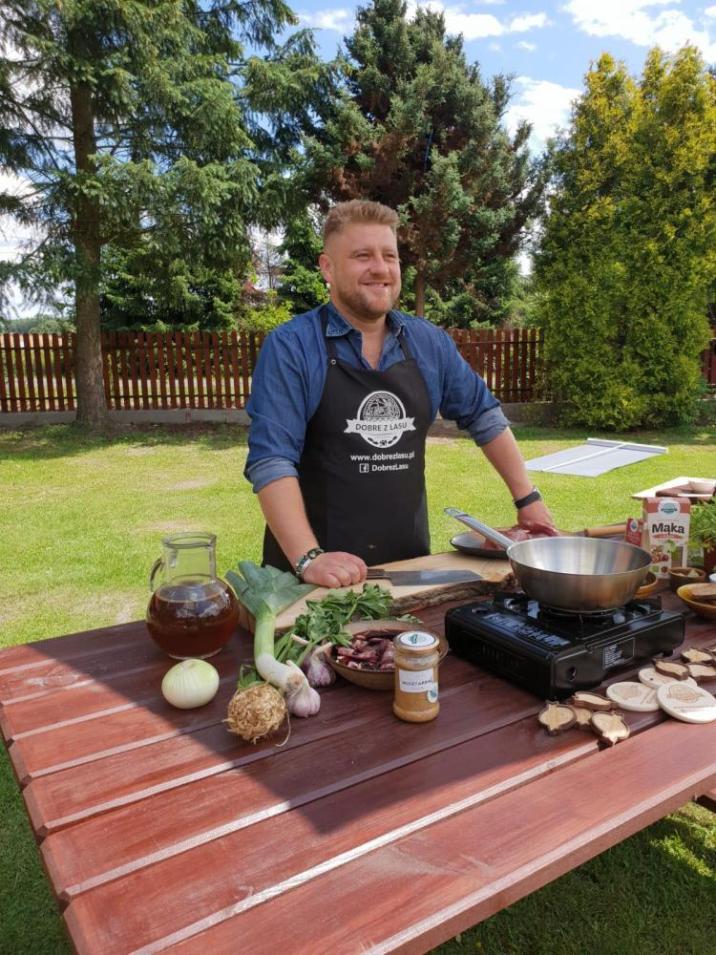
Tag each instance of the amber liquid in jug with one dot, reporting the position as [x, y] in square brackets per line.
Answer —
[191, 614]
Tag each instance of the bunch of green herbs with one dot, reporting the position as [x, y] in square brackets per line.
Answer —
[325, 619]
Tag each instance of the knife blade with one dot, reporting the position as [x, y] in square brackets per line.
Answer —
[427, 578]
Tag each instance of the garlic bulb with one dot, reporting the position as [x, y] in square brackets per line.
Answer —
[190, 683]
[317, 668]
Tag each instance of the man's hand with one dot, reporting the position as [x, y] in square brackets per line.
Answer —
[335, 569]
[537, 519]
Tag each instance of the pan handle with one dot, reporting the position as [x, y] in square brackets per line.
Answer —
[483, 529]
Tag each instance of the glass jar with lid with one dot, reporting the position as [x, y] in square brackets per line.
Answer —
[416, 676]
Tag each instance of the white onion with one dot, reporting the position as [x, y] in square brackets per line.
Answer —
[190, 683]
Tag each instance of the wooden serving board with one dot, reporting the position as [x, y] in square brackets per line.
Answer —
[494, 574]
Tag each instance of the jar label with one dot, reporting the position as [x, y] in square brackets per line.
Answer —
[416, 638]
[418, 681]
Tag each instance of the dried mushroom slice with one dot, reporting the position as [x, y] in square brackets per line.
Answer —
[592, 701]
[610, 727]
[649, 677]
[583, 716]
[693, 655]
[556, 718]
[702, 671]
[678, 670]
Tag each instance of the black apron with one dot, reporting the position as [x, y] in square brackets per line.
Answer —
[362, 471]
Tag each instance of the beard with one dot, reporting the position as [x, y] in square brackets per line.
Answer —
[366, 305]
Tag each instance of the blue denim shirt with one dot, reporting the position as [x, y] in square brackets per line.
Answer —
[291, 371]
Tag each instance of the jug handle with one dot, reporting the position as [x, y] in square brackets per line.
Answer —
[152, 574]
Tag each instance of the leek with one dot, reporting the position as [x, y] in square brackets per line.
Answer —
[266, 592]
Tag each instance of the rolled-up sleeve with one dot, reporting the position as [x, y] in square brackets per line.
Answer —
[266, 470]
[466, 399]
[278, 408]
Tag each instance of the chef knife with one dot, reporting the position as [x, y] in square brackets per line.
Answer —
[426, 578]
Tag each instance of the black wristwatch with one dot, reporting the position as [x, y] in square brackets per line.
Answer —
[530, 498]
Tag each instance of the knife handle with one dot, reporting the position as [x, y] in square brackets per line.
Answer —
[376, 573]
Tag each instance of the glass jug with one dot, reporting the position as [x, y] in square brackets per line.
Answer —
[192, 613]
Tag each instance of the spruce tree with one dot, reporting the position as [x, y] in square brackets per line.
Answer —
[302, 286]
[417, 128]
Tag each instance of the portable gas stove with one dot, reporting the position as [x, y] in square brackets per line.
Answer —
[553, 653]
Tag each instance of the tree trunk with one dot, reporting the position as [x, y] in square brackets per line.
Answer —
[91, 402]
[420, 294]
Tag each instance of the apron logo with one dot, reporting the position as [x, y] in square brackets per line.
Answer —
[381, 420]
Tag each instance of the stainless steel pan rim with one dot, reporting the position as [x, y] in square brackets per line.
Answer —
[577, 574]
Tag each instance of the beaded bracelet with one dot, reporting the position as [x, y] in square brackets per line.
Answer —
[303, 561]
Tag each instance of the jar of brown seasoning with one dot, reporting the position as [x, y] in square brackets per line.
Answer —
[416, 676]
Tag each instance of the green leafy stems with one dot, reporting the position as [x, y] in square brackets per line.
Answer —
[324, 621]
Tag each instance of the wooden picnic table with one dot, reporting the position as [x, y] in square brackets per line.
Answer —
[160, 831]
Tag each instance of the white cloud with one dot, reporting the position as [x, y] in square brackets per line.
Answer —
[495, 47]
[635, 20]
[476, 26]
[339, 19]
[543, 104]
[473, 26]
[524, 45]
[710, 12]
[534, 21]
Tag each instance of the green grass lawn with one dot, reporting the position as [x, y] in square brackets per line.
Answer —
[81, 521]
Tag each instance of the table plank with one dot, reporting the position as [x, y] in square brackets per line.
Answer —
[97, 699]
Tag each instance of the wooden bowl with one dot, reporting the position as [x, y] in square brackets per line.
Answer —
[679, 576]
[373, 679]
[651, 585]
[701, 608]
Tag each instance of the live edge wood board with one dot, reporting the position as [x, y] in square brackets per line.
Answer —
[494, 573]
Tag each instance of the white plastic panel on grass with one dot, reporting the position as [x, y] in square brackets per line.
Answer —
[597, 456]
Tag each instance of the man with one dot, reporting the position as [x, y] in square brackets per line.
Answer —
[341, 402]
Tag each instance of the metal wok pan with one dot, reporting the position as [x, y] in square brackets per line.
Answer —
[571, 573]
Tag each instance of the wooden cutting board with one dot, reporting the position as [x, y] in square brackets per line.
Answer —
[494, 573]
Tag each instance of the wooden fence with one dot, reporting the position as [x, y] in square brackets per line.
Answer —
[142, 371]
[212, 370]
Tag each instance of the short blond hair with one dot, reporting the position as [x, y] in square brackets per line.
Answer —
[361, 211]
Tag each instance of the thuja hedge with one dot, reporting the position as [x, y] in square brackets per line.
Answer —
[627, 264]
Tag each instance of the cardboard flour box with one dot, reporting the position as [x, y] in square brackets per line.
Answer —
[666, 532]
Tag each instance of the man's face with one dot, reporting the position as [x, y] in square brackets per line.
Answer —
[361, 265]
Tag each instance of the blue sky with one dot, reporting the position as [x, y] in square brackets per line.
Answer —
[545, 47]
